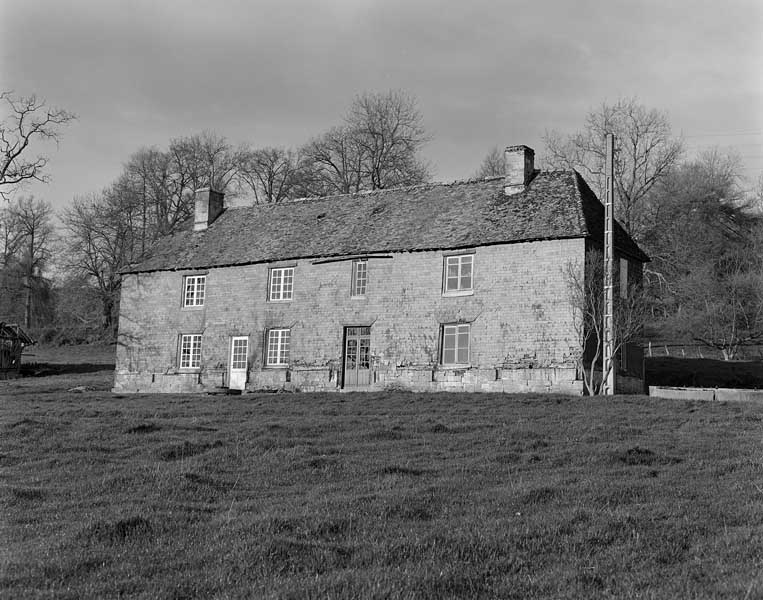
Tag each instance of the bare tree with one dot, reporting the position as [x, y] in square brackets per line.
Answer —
[378, 146]
[162, 183]
[700, 216]
[26, 120]
[723, 301]
[152, 179]
[28, 236]
[645, 152]
[494, 164]
[334, 163]
[390, 131]
[271, 173]
[101, 240]
[205, 160]
[10, 235]
[586, 297]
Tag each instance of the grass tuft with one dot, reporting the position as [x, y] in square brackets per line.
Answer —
[27, 494]
[144, 428]
[644, 456]
[185, 449]
[398, 470]
[116, 532]
[439, 428]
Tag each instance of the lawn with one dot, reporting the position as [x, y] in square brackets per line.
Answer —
[392, 495]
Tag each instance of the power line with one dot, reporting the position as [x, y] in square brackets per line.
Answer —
[733, 145]
[729, 134]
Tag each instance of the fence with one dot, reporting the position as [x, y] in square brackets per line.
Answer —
[656, 349]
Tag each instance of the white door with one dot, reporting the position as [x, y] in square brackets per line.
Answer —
[239, 348]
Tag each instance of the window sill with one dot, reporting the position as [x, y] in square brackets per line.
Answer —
[279, 301]
[455, 367]
[459, 293]
[197, 307]
[184, 370]
[276, 366]
[358, 297]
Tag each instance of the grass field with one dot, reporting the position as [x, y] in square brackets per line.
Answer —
[375, 496]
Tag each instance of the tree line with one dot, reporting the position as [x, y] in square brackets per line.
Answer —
[377, 144]
[691, 215]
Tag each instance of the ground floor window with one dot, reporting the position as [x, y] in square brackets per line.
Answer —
[455, 344]
[278, 347]
[190, 351]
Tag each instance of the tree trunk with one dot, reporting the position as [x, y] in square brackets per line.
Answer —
[29, 275]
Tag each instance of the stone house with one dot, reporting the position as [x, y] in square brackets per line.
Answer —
[457, 286]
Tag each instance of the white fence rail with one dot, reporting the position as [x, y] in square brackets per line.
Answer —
[656, 349]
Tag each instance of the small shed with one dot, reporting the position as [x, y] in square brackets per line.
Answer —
[12, 342]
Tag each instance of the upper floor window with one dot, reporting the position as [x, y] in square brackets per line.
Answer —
[457, 277]
[623, 277]
[193, 290]
[281, 284]
[359, 277]
[278, 348]
[455, 344]
[190, 351]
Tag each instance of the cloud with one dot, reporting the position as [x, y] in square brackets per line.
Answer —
[275, 73]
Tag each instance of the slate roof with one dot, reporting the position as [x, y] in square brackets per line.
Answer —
[437, 216]
[12, 331]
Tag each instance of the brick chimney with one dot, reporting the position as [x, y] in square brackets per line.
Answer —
[520, 168]
[208, 206]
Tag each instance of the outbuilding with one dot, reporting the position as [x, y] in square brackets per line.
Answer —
[13, 339]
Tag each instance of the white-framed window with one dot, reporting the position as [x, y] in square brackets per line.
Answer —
[193, 290]
[623, 356]
[623, 278]
[281, 286]
[190, 351]
[457, 274]
[455, 344]
[359, 277]
[278, 347]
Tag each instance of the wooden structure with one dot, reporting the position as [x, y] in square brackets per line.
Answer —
[12, 342]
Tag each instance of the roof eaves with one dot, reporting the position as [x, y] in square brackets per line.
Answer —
[579, 205]
[338, 255]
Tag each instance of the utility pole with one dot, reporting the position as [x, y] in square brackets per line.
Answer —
[608, 367]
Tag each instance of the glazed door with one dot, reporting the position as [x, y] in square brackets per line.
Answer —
[357, 357]
[239, 349]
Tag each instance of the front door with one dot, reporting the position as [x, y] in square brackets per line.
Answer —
[357, 357]
[239, 349]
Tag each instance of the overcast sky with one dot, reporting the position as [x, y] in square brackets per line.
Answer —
[138, 73]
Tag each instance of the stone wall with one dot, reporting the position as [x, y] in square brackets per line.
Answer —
[522, 337]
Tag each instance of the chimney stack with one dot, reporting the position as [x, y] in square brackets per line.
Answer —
[520, 168]
[208, 206]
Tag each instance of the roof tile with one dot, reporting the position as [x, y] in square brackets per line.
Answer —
[555, 205]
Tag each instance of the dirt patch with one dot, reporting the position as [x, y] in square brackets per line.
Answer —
[185, 450]
[144, 428]
[644, 456]
[116, 531]
[398, 470]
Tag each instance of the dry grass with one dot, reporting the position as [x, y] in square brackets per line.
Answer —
[375, 496]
